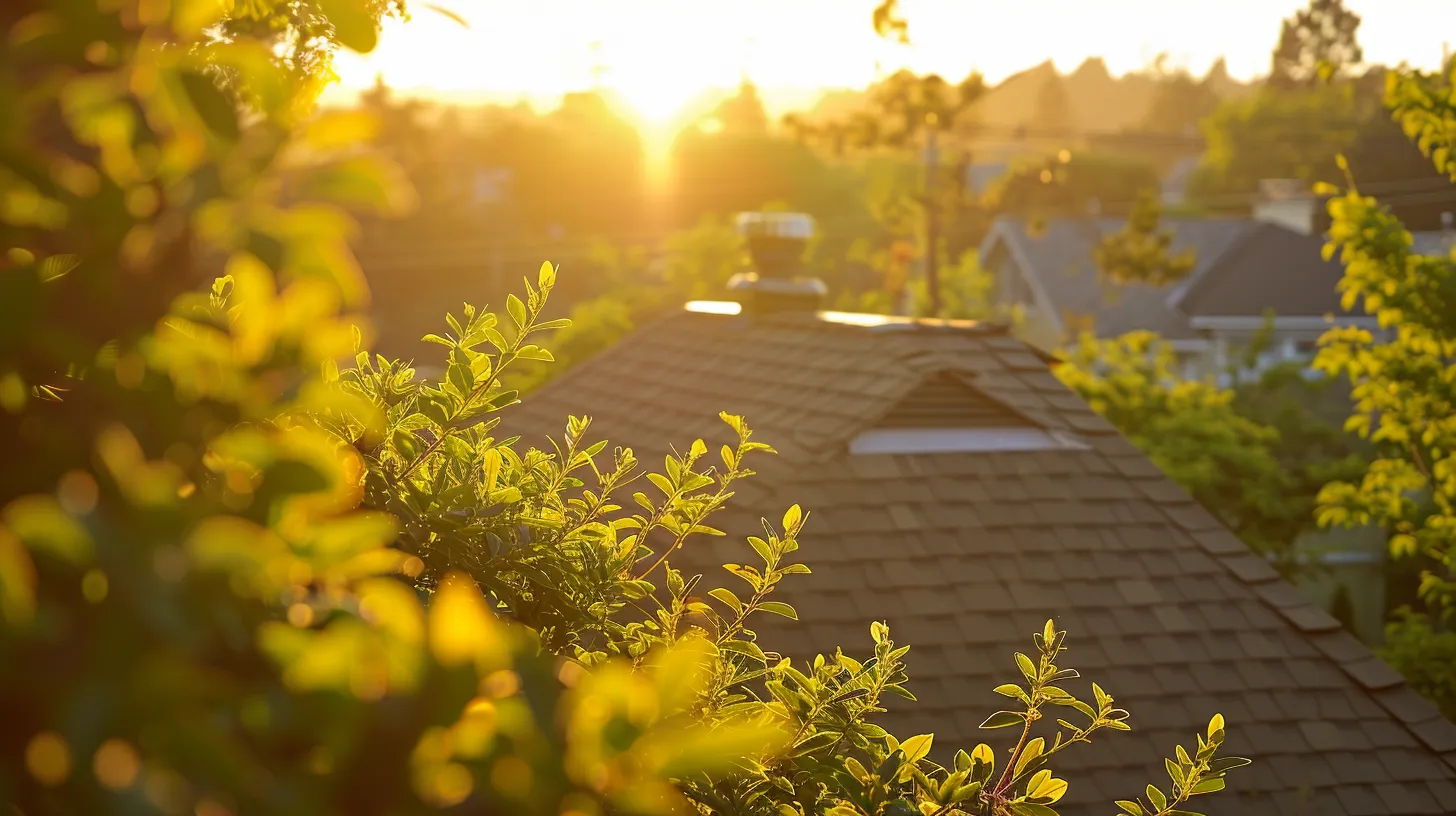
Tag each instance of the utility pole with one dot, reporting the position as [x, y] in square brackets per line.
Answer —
[932, 215]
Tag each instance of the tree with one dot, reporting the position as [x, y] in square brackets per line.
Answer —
[1180, 102]
[1404, 381]
[1072, 185]
[1274, 134]
[1053, 112]
[1139, 252]
[1382, 154]
[743, 113]
[907, 112]
[1317, 43]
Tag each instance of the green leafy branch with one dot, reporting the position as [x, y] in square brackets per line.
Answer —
[1191, 776]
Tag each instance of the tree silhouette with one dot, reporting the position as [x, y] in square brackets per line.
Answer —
[1316, 43]
[744, 112]
[1053, 112]
[1180, 102]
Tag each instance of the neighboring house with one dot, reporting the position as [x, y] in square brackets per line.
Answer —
[957, 490]
[1246, 267]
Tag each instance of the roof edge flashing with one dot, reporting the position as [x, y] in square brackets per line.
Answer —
[718, 307]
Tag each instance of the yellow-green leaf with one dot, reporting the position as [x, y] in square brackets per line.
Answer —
[354, 25]
[779, 608]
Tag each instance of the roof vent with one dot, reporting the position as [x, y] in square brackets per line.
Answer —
[943, 401]
[776, 242]
[944, 415]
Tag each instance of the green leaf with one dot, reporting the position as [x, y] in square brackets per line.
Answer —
[728, 598]
[779, 608]
[355, 27]
[1130, 807]
[1215, 725]
[1156, 797]
[546, 278]
[213, 106]
[406, 443]
[1031, 809]
[901, 691]
[1050, 788]
[1210, 785]
[792, 517]
[744, 647]
[517, 310]
[1029, 755]
[1175, 773]
[1223, 764]
[917, 747]
[461, 377]
[535, 353]
[1028, 668]
[1011, 690]
[761, 547]
[435, 408]
[1003, 719]
[815, 742]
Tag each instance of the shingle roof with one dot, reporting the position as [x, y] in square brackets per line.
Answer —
[1244, 267]
[1060, 257]
[966, 554]
[1270, 267]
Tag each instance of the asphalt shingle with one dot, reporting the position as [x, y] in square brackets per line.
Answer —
[965, 554]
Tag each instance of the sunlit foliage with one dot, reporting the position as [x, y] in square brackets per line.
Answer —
[242, 579]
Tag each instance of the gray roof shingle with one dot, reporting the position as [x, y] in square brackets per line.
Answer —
[965, 554]
[1244, 267]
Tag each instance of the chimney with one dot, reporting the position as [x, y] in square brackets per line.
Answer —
[776, 242]
[1290, 204]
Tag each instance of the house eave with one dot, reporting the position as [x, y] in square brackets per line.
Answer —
[1285, 323]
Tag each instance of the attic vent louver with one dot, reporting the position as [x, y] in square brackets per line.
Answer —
[943, 415]
[942, 401]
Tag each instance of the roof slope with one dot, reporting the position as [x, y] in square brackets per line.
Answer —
[1270, 268]
[966, 554]
[1059, 257]
[1244, 267]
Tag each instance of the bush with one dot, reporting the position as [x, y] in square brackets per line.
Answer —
[242, 580]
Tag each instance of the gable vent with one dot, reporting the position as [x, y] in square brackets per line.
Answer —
[944, 415]
[942, 401]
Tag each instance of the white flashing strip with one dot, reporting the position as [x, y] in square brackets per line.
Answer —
[960, 440]
[720, 307]
[1286, 323]
[863, 319]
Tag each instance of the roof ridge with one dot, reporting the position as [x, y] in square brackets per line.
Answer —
[1355, 660]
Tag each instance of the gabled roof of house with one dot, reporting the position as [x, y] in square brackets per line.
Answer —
[966, 554]
[1244, 267]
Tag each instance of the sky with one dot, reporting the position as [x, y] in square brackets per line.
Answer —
[658, 54]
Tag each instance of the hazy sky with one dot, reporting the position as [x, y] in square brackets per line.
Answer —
[658, 53]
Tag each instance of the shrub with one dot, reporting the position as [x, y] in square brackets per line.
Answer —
[215, 565]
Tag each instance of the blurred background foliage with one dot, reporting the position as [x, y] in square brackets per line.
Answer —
[244, 574]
